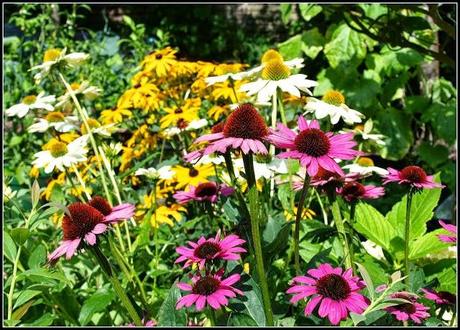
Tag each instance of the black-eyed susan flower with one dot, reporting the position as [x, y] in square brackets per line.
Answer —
[192, 175]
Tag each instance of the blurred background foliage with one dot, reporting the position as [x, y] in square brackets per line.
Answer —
[394, 63]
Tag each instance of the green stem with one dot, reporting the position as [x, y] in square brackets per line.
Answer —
[105, 265]
[212, 317]
[91, 137]
[407, 238]
[249, 170]
[231, 172]
[280, 99]
[254, 210]
[155, 231]
[232, 84]
[15, 268]
[303, 194]
[352, 219]
[321, 205]
[341, 230]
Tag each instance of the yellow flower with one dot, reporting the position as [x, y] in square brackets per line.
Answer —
[165, 214]
[224, 91]
[114, 116]
[57, 218]
[145, 97]
[141, 78]
[160, 61]
[218, 111]
[246, 268]
[307, 213]
[60, 180]
[188, 112]
[34, 172]
[68, 137]
[186, 176]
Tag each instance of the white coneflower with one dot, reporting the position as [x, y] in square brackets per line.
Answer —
[276, 74]
[8, 193]
[182, 125]
[364, 131]
[163, 172]
[269, 55]
[365, 166]
[59, 154]
[97, 128]
[54, 57]
[88, 92]
[56, 120]
[31, 102]
[333, 104]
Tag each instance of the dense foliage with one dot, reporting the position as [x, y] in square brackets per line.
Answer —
[259, 207]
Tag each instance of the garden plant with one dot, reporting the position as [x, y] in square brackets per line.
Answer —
[303, 181]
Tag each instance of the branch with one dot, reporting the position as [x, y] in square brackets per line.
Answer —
[446, 27]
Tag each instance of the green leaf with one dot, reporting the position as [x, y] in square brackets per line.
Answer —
[309, 11]
[346, 45]
[37, 257]
[443, 119]
[39, 275]
[286, 9]
[98, 302]
[373, 225]
[21, 311]
[240, 320]
[396, 125]
[427, 244]
[9, 247]
[252, 301]
[432, 155]
[44, 320]
[448, 281]
[312, 42]
[25, 296]
[291, 48]
[168, 315]
[20, 235]
[423, 204]
[367, 279]
[276, 237]
[35, 193]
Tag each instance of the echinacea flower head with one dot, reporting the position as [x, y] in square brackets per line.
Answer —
[354, 191]
[440, 297]
[210, 290]
[314, 148]
[412, 309]
[413, 176]
[364, 167]
[59, 154]
[333, 104]
[56, 57]
[277, 75]
[207, 191]
[333, 290]
[214, 248]
[30, 102]
[449, 228]
[56, 120]
[164, 173]
[244, 129]
[84, 222]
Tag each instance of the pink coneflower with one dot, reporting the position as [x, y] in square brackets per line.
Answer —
[353, 191]
[85, 222]
[410, 310]
[209, 249]
[412, 175]
[209, 289]
[336, 291]
[197, 154]
[314, 148]
[450, 228]
[441, 297]
[244, 129]
[208, 191]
